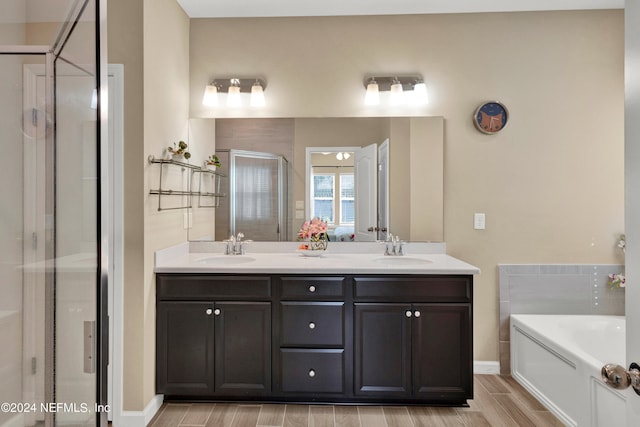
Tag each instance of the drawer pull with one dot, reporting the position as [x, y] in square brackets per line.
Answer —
[312, 325]
[217, 312]
[312, 288]
[312, 373]
[209, 311]
[408, 313]
[417, 313]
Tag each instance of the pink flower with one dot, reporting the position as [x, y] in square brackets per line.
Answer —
[312, 228]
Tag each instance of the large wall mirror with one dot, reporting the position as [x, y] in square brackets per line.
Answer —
[281, 171]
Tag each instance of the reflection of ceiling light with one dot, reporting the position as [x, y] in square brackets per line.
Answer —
[346, 156]
[339, 156]
[343, 156]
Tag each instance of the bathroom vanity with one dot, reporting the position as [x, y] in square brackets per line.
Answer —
[351, 328]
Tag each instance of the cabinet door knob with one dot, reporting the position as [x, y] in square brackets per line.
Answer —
[209, 311]
[217, 312]
[416, 313]
[312, 325]
[312, 288]
[407, 313]
[312, 373]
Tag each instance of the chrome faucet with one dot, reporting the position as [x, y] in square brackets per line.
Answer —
[235, 245]
[394, 246]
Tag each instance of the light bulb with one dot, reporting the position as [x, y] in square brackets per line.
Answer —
[372, 97]
[397, 95]
[257, 95]
[233, 96]
[210, 97]
[339, 156]
[420, 95]
[346, 156]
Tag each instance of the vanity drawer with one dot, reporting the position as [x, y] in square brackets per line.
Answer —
[208, 287]
[312, 287]
[414, 289]
[316, 371]
[311, 324]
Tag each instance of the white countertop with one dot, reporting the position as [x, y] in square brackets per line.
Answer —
[284, 259]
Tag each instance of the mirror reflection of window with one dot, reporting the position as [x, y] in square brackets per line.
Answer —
[323, 190]
[347, 212]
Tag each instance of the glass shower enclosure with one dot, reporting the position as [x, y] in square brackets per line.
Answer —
[257, 194]
[53, 284]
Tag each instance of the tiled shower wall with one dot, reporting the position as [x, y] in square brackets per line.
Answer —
[554, 289]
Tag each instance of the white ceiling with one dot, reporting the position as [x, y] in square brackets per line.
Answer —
[259, 8]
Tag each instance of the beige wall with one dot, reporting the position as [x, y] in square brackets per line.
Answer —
[166, 120]
[125, 45]
[551, 184]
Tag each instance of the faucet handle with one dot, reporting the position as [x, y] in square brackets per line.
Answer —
[401, 249]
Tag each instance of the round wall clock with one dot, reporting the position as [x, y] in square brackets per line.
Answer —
[491, 117]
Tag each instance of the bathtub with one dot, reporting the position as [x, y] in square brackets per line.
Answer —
[558, 358]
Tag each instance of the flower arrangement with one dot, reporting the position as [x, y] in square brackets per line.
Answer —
[179, 149]
[617, 280]
[315, 233]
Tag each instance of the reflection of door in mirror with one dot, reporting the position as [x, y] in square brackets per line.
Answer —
[256, 204]
[342, 190]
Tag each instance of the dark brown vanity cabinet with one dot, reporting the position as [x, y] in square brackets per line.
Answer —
[417, 344]
[213, 344]
[320, 338]
[312, 336]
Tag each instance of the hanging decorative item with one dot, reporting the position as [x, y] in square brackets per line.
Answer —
[491, 117]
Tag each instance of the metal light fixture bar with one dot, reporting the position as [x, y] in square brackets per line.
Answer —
[222, 84]
[385, 82]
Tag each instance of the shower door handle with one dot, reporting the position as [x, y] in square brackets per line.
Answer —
[615, 376]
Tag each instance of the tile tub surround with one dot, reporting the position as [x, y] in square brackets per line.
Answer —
[554, 289]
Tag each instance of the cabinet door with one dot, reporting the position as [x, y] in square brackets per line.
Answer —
[184, 342]
[382, 350]
[442, 358]
[243, 348]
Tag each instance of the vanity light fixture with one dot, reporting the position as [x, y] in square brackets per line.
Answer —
[257, 95]
[372, 97]
[343, 156]
[407, 89]
[233, 88]
[210, 98]
[233, 94]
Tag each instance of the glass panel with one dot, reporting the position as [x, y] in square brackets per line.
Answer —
[32, 22]
[76, 223]
[23, 127]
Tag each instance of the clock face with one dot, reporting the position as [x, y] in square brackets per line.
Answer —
[491, 117]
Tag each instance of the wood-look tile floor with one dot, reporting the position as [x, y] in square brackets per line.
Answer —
[498, 401]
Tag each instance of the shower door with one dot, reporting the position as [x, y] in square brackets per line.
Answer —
[257, 196]
[51, 295]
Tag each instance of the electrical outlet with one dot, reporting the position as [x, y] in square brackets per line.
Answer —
[299, 214]
[478, 221]
[299, 204]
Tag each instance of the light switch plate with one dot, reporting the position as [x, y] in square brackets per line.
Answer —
[299, 214]
[478, 221]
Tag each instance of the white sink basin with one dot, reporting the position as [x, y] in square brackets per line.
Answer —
[401, 260]
[226, 259]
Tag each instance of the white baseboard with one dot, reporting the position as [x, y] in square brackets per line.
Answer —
[483, 367]
[139, 418]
